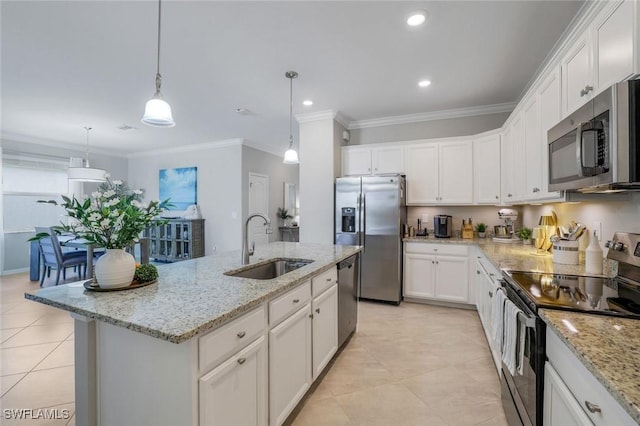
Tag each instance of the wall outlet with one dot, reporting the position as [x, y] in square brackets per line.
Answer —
[597, 228]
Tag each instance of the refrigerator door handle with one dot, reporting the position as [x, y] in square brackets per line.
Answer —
[363, 213]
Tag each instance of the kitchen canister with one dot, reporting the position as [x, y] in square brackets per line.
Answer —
[565, 252]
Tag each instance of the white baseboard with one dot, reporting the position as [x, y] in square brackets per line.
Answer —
[14, 271]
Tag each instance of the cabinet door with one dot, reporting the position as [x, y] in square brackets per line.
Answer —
[289, 364]
[560, 406]
[506, 162]
[549, 98]
[452, 278]
[419, 275]
[486, 170]
[325, 329]
[356, 161]
[422, 173]
[577, 76]
[613, 44]
[455, 172]
[533, 150]
[388, 160]
[519, 158]
[235, 393]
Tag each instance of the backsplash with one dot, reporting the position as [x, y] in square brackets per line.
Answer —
[484, 214]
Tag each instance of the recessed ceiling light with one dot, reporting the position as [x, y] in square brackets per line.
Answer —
[424, 83]
[307, 102]
[417, 17]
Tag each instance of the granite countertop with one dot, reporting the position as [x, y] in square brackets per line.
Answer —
[609, 347]
[519, 257]
[193, 296]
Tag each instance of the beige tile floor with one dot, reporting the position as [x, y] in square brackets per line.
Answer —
[407, 365]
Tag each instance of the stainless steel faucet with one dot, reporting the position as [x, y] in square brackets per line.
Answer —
[246, 251]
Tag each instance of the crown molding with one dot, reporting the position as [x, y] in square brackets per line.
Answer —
[77, 148]
[270, 149]
[431, 116]
[188, 148]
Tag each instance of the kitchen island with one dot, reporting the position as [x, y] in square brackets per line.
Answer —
[137, 357]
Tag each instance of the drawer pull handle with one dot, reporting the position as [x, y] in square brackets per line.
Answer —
[317, 310]
[592, 407]
[241, 334]
[328, 279]
[241, 360]
[296, 300]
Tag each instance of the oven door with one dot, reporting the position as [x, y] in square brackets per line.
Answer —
[523, 393]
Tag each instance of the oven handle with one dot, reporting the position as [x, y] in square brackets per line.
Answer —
[529, 322]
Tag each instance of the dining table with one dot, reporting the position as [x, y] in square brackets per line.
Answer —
[67, 240]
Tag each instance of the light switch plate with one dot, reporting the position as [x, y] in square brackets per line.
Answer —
[597, 227]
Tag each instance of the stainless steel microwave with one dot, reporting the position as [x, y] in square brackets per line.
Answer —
[597, 148]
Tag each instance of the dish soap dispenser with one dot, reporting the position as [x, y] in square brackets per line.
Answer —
[593, 256]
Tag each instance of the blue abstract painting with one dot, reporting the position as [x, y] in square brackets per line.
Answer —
[180, 186]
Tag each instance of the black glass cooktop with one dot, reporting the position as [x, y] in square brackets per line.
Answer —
[578, 293]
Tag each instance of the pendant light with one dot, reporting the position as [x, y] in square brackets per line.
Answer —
[86, 173]
[157, 111]
[291, 156]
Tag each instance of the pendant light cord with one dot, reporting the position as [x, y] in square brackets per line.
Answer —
[291, 112]
[158, 76]
[87, 147]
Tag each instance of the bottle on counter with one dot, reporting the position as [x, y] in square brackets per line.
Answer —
[593, 256]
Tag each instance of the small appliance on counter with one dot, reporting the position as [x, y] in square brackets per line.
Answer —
[505, 233]
[442, 226]
[421, 232]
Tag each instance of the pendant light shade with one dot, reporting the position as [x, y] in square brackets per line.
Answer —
[157, 111]
[291, 156]
[87, 173]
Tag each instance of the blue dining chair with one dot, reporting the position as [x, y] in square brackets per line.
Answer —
[53, 257]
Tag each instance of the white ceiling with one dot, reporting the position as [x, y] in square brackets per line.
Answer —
[69, 64]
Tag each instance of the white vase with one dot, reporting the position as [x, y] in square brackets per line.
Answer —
[115, 269]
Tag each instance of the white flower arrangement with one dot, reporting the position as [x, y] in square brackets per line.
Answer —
[113, 217]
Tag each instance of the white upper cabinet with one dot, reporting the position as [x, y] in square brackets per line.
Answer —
[519, 160]
[549, 99]
[577, 75]
[440, 173]
[532, 149]
[506, 167]
[486, 170]
[357, 160]
[613, 41]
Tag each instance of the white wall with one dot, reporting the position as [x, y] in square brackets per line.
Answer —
[461, 126]
[317, 176]
[256, 161]
[219, 186]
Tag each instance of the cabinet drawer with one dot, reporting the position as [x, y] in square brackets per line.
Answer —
[584, 386]
[218, 345]
[288, 303]
[426, 248]
[323, 281]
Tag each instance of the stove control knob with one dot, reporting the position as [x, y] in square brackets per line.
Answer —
[608, 244]
[619, 246]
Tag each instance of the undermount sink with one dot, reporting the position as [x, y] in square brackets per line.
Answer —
[272, 269]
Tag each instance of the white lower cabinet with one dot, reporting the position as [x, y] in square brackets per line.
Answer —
[572, 394]
[437, 272]
[486, 288]
[235, 392]
[325, 329]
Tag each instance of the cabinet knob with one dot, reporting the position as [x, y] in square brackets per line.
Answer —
[328, 279]
[490, 294]
[433, 262]
[241, 334]
[509, 195]
[311, 316]
[586, 90]
[296, 300]
[317, 310]
[477, 272]
[592, 407]
[241, 360]
[437, 262]
[497, 197]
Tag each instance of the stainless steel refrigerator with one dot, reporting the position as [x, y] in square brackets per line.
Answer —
[370, 211]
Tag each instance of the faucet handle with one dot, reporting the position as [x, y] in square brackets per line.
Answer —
[253, 248]
[269, 229]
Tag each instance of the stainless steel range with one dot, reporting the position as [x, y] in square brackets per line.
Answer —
[620, 296]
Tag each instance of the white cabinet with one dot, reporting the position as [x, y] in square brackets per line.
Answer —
[486, 170]
[235, 392]
[533, 149]
[577, 75]
[325, 329]
[289, 364]
[549, 99]
[577, 397]
[506, 167]
[560, 406]
[380, 160]
[440, 173]
[437, 272]
[513, 161]
[486, 288]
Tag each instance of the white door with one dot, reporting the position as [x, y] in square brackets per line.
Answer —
[486, 170]
[422, 173]
[613, 45]
[519, 158]
[419, 275]
[388, 160]
[550, 101]
[560, 406]
[356, 162]
[452, 278]
[325, 329]
[577, 76]
[533, 151]
[235, 393]
[455, 172]
[258, 203]
[506, 162]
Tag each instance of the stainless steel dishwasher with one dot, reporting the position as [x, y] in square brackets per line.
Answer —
[348, 277]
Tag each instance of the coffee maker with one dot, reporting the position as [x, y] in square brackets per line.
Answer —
[442, 226]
